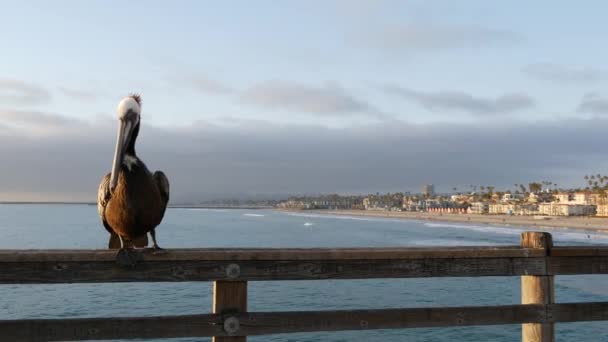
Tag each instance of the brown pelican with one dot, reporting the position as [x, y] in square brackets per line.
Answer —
[131, 200]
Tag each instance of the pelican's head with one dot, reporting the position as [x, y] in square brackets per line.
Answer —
[129, 110]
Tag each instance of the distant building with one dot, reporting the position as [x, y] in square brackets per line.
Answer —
[511, 197]
[602, 210]
[501, 209]
[428, 190]
[564, 197]
[478, 208]
[561, 209]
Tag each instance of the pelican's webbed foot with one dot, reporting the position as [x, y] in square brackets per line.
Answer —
[156, 248]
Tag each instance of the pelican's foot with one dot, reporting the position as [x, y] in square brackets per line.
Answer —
[157, 250]
[127, 257]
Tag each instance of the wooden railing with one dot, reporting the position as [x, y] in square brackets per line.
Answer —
[535, 260]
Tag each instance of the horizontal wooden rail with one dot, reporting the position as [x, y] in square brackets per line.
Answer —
[261, 323]
[535, 260]
[74, 266]
[97, 266]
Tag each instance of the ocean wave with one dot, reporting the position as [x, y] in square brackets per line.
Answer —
[309, 224]
[483, 229]
[254, 215]
[341, 217]
[559, 234]
[205, 209]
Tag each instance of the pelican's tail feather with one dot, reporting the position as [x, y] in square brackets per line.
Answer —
[139, 242]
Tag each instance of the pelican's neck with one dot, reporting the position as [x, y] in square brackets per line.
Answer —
[131, 147]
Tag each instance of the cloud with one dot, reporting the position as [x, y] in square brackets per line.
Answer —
[461, 101]
[15, 92]
[594, 104]
[558, 73]
[247, 158]
[79, 94]
[35, 124]
[202, 83]
[328, 99]
[428, 37]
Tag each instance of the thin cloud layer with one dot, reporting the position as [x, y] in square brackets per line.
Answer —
[79, 94]
[19, 93]
[205, 160]
[203, 83]
[461, 101]
[593, 103]
[429, 37]
[558, 73]
[330, 98]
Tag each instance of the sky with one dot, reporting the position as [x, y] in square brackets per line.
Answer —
[263, 98]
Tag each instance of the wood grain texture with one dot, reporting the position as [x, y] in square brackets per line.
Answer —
[537, 289]
[229, 298]
[261, 323]
[245, 254]
[45, 272]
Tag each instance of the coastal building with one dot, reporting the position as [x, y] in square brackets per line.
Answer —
[582, 198]
[602, 210]
[501, 209]
[428, 190]
[478, 208]
[413, 205]
[508, 197]
[562, 209]
[564, 197]
[383, 202]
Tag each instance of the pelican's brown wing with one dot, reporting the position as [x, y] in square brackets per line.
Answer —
[103, 197]
[163, 186]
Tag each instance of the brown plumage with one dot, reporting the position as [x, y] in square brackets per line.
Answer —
[137, 203]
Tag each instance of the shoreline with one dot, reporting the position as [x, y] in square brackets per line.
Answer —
[599, 224]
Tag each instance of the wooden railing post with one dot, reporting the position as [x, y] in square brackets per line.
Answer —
[537, 290]
[229, 297]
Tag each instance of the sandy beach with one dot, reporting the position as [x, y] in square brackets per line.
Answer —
[565, 222]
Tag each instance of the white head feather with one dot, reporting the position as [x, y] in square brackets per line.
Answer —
[128, 104]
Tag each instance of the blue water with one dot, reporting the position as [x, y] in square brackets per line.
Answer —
[77, 226]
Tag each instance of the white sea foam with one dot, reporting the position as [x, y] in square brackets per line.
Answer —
[451, 242]
[253, 215]
[483, 229]
[309, 224]
[206, 209]
[559, 234]
[341, 217]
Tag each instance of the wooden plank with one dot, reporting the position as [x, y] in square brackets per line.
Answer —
[261, 323]
[537, 289]
[292, 322]
[578, 312]
[244, 254]
[110, 328]
[230, 298]
[579, 251]
[577, 265]
[169, 271]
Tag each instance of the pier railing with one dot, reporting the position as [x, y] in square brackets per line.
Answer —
[536, 261]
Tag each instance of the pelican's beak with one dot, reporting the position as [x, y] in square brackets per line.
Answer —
[125, 129]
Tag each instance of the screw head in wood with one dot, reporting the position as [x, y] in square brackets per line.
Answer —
[231, 325]
[233, 271]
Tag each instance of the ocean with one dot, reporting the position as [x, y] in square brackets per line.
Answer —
[78, 226]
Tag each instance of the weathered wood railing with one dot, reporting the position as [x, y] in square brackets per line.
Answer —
[536, 261]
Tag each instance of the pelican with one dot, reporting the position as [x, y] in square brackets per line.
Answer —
[131, 200]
